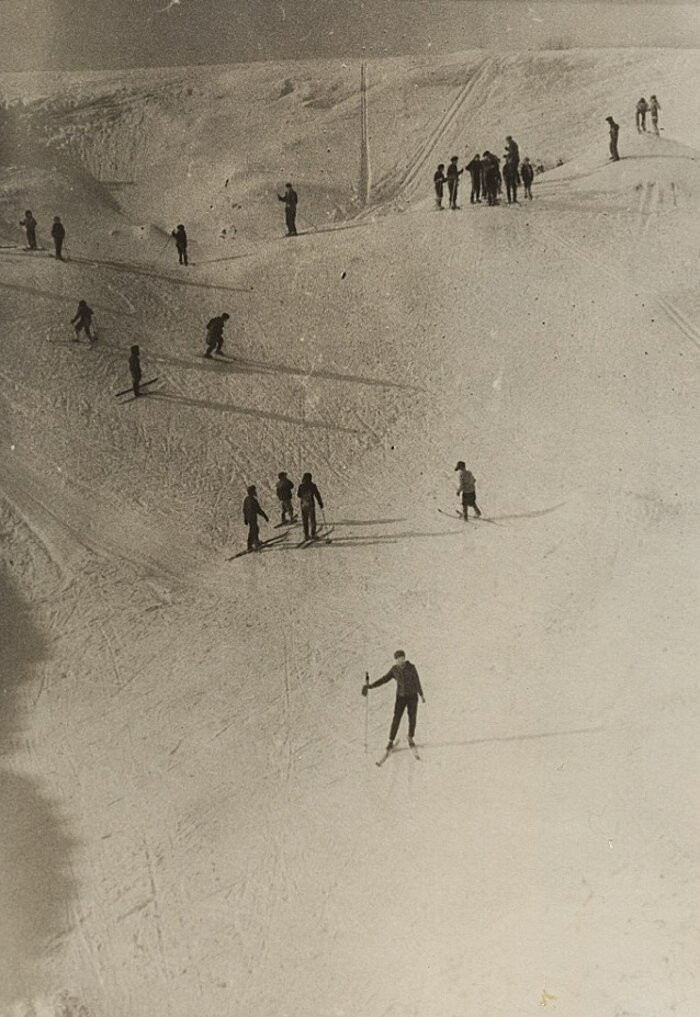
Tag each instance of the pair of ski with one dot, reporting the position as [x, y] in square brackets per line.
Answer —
[458, 514]
[388, 752]
[322, 537]
[129, 390]
[261, 546]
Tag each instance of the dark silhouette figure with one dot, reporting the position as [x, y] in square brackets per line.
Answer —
[290, 200]
[527, 175]
[654, 106]
[439, 180]
[640, 114]
[58, 233]
[135, 370]
[453, 175]
[251, 511]
[30, 224]
[308, 495]
[475, 170]
[215, 334]
[82, 321]
[614, 134]
[512, 179]
[284, 490]
[181, 243]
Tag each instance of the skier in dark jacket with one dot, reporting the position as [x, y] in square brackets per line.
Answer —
[439, 180]
[492, 177]
[30, 224]
[290, 200]
[614, 134]
[512, 152]
[135, 370]
[251, 511]
[512, 179]
[654, 107]
[408, 689]
[475, 170]
[284, 490]
[453, 175]
[640, 114]
[215, 334]
[527, 175]
[58, 233]
[308, 495]
[83, 321]
[180, 243]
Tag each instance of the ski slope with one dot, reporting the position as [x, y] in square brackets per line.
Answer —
[192, 822]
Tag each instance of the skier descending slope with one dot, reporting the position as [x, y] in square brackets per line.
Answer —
[284, 490]
[308, 494]
[251, 511]
[215, 334]
[82, 321]
[408, 689]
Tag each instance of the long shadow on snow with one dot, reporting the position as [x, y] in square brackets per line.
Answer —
[136, 269]
[206, 404]
[389, 538]
[57, 296]
[265, 367]
[511, 738]
[37, 890]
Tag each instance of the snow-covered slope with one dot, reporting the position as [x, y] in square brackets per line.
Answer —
[192, 820]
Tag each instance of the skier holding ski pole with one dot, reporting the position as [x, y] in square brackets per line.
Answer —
[408, 689]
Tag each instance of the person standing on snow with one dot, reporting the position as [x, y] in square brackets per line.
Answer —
[492, 177]
[58, 233]
[439, 180]
[640, 114]
[408, 689]
[655, 106]
[475, 170]
[512, 179]
[527, 175]
[512, 152]
[82, 321]
[180, 243]
[251, 511]
[290, 201]
[614, 134]
[30, 224]
[308, 494]
[215, 334]
[135, 370]
[453, 175]
[284, 490]
[467, 490]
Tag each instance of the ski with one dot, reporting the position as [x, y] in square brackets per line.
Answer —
[131, 389]
[414, 750]
[262, 545]
[451, 515]
[287, 522]
[387, 753]
[320, 537]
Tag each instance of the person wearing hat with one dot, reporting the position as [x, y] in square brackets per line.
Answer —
[453, 175]
[215, 334]
[251, 511]
[290, 200]
[308, 495]
[180, 243]
[284, 490]
[30, 224]
[467, 489]
[614, 133]
[58, 233]
[408, 689]
[654, 106]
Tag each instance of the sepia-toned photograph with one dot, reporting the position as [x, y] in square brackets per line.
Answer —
[353, 673]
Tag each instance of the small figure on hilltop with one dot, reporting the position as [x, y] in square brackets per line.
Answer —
[408, 689]
[251, 511]
[58, 233]
[467, 490]
[30, 224]
[135, 370]
[308, 494]
[284, 490]
[215, 334]
[512, 179]
[654, 106]
[180, 236]
[475, 171]
[453, 175]
[83, 321]
[290, 201]
[614, 134]
[527, 175]
[439, 180]
[640, 114]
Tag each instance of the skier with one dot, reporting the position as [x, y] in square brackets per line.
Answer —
[251, 511]
[308, 495]
[30, 224]
[58, 233]
[290, 199]
[215, 334]
[640, 114]
[467, 490]
[135, 370]
[614, 134]
[408, 688]
[284, 490]
[655, 106]
[439, 180]
[510, 175]
[453, 175]
[475, 170]
[527, 175]
[180, 243]
[512, 152]
[82, 321]
[492, 177]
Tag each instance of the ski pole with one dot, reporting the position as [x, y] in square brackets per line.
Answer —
[366, 710]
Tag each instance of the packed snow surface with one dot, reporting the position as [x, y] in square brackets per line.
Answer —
[192, 821]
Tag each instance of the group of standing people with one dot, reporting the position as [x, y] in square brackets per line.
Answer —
[308, 494]
[640, 113]
[58, 233]
[487, 177]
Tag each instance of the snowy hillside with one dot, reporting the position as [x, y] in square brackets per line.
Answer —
[192, 819]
